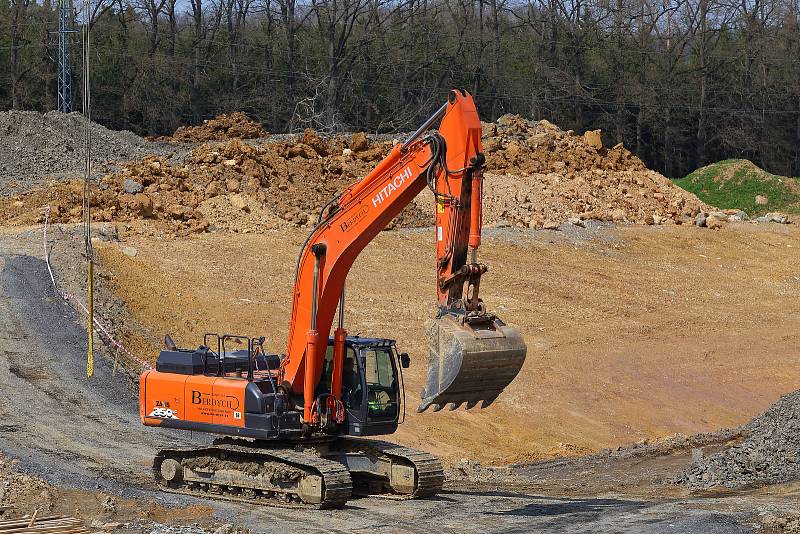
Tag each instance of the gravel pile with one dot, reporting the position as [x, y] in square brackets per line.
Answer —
[36, 146]
[769, 454]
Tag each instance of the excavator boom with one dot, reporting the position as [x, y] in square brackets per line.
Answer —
[473, 355]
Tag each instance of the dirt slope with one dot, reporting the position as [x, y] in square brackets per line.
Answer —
[634, 334]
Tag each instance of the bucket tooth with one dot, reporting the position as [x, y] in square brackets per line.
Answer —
[471, 404]
[487, 402]
[453, 406]
[437, 407]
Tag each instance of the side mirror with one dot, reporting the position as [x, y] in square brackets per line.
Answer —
[405, 360]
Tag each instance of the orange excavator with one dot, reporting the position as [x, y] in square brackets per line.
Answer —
[294, 425]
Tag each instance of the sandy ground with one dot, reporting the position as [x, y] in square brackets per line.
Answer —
[633, 332]
[81, 450]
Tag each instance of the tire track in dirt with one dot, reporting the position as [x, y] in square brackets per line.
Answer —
[62, 425]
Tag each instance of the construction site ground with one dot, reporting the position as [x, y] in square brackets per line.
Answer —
[635, 333]
[661, 331]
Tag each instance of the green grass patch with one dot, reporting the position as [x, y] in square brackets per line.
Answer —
[735, 183]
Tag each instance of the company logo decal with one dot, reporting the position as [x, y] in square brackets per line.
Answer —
[215, 401]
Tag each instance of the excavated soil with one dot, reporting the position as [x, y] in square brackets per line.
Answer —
[541, 176]
[237, 125]
[233, 186]
[538, 176]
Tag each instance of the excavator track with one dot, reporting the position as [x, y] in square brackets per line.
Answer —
[428, 470]
[263, 476]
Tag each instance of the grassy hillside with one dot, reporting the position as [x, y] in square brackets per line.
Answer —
[735, 183]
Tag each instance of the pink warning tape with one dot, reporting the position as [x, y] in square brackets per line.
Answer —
[76, 302]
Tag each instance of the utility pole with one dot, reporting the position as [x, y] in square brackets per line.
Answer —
[64, 67]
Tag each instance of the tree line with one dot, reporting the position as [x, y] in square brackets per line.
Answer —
[681, 83]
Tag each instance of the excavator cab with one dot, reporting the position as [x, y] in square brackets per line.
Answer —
[372, 384]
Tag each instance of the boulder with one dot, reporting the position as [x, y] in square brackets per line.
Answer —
[359, 142]
[593, 139]
[716, 220]
[131, 186]
[700, 220]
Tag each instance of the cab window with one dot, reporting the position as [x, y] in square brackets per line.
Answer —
[351, 383]
[381, 383]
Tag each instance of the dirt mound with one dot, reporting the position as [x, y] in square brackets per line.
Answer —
[540, 176]
[741, 184]
[34, 146]
[769, 454]
[232, 185]
[237, 125]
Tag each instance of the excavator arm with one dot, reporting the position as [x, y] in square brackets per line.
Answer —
[473, 355]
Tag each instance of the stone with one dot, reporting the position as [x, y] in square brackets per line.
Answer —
[550, 225]
[214, 189]
[233, 185]
[347, 153]
[774, 217]
[198, 227]
[315, 142]
[252, 169]
[129, 251]
[715, 221]
[132, 187]
[738, 216]
[618, 215]
[143, 205]
[359, 142]
[700, 220]
[761, 200]
[575, 221]
[301, 150]
[229, 162]
[240, 203]
[593, 139]
[177, 211]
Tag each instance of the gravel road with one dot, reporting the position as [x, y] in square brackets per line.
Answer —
[85, 433]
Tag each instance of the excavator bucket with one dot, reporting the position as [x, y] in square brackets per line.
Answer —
[470, 362]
